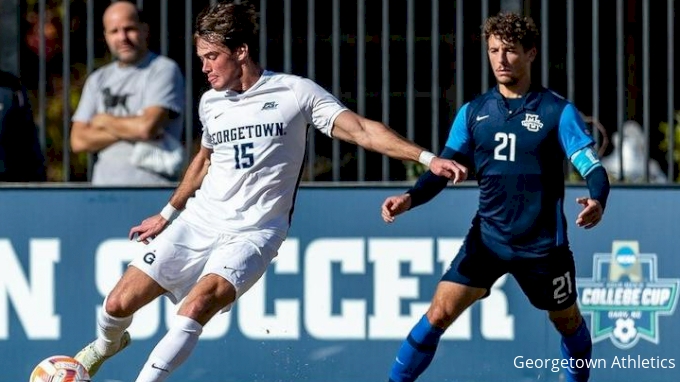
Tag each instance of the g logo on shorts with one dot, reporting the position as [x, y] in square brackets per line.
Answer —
[149, 258]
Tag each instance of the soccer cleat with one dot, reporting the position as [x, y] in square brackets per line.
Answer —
[92, 360]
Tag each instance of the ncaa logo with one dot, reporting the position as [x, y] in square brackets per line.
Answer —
[626, 258]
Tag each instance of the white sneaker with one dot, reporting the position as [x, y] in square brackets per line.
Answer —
[92, 360]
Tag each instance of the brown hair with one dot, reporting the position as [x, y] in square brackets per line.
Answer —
[512, 28]
[231, 24]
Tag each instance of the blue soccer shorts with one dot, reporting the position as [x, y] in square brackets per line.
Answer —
[548, 280]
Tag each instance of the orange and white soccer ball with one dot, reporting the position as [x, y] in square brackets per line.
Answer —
[59, 368]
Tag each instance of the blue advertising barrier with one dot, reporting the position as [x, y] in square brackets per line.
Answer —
[345, 290]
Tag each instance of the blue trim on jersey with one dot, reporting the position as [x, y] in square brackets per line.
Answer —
[572, 131]
[585, 160]
[459, 136]
[297, 182]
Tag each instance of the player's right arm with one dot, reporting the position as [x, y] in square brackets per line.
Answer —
[428, 184]
[192, 180]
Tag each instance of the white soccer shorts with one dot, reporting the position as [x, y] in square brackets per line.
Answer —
[182, 254]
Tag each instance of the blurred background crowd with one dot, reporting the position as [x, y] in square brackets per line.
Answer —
[408, 63]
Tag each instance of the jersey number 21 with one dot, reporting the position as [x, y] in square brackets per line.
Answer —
[505, 149]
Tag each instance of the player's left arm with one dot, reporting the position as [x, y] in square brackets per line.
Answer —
[578, 144]
[326, 113]
[376, 136]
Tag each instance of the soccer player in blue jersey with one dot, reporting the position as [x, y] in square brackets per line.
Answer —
[515, 137]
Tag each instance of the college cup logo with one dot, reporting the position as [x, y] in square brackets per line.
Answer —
[625, 296]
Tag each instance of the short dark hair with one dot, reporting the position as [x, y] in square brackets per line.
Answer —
[511, 28]
[230, 23]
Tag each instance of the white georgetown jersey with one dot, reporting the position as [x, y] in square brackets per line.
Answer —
[258, 140]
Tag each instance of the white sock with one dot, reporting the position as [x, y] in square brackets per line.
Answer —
[109, 331]
[173, 349]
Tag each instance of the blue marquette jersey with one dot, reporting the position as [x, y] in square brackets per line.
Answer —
[518, 155]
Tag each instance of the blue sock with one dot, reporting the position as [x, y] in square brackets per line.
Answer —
[416, 352]
[578, 346]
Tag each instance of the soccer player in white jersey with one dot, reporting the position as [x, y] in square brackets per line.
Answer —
[232, 210]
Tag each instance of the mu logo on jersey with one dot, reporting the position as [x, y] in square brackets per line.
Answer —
[625, 296]
[531, 122]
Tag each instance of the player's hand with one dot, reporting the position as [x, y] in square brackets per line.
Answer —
[149, 228]
[449, 168]
[591, 214]
[395, 205]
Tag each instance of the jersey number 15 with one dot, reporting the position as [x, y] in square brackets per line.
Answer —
[243, 156]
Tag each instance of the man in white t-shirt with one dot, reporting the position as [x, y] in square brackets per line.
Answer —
[237, 196]
[131, 110]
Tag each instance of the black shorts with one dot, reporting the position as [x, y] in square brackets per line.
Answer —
[548, 280]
